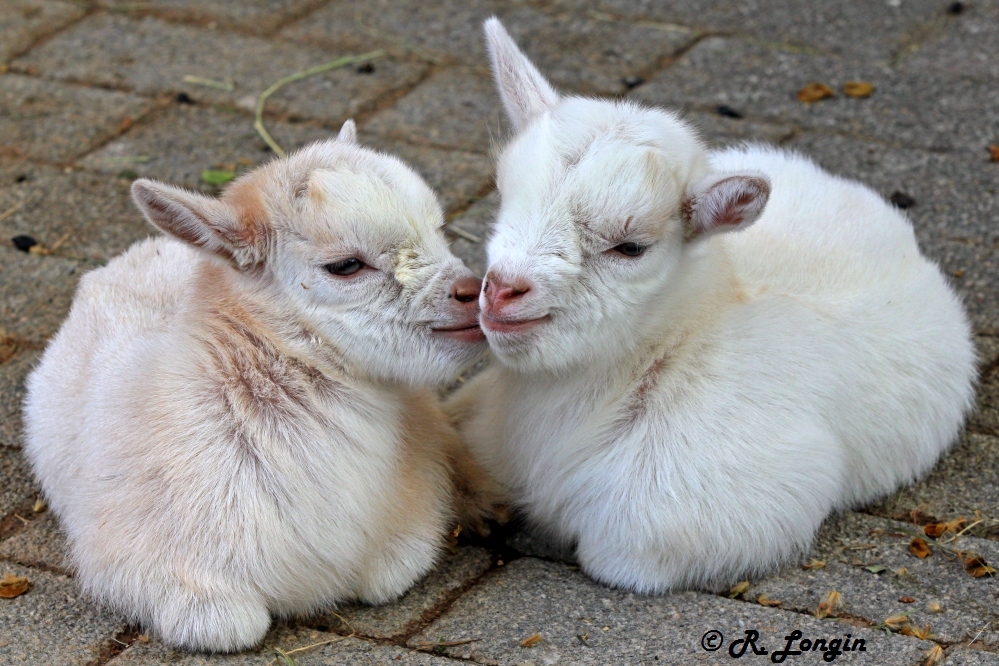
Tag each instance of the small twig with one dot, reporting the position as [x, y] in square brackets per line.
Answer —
[13, 209]
[226, 85]
[426, 644]
[352, 633]
[981, 632]
[458, 231]
[954, 538]
[23, 520]
[258, 122]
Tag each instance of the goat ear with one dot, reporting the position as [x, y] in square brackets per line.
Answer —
[725, 202]
[206, 223]
[348, 132]
[524, 91]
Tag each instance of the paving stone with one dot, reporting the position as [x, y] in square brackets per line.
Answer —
[21, 23]
[40, 544]
[183, 141]
[256, 16]
[56, 122]
[965, 481]
[88, 215]
[348, 651]
[960, 657]
[458, 177]
[35, 293]
[720, 131]
[849, 542]
[577, 50]
[956, 193]
[581, 622]
[12, 375]
[151, 56]
[455, 108]
[974, 272]
[477, 221]
[962, 47]
[454, 573]
[17, 487]
[52, 624]
[986, 416]
[919, 109]
[874, 30]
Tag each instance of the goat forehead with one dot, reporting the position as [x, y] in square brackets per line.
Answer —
[348, 204]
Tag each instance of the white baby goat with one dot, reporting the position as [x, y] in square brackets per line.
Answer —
[231, 424]
[701, 354]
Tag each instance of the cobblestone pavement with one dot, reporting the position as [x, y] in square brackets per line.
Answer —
[94, 93]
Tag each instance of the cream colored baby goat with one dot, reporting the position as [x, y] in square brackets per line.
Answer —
[231, 422]
[701, 354]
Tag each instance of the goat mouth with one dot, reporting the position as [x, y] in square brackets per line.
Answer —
[465, 333]
[511, 326]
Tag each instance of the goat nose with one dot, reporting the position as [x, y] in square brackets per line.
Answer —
[466, 289]
[499, 291]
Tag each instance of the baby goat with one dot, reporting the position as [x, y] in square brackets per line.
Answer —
[701, 354]
[230, 423]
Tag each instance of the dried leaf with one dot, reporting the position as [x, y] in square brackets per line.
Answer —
[919, 548]
[530, 641]
[994, 152]
[934, 656]
[764, 600]
[832, 602]
[934, 530]
[813, 564]
[814, 92]
[740, 588]
[906, 600]
[858, 89]
[977, 567]
[875, 568]
[13, 586]
[934, 607]
[217, 178]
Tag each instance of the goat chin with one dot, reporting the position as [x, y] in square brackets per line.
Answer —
[740, 343]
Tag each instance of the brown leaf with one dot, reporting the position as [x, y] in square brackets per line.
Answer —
[530, 641]
[934, 530]
[740, 588]
[906, 600]
[994, 152]
[832, 602]
[13, 586]
[814, 92]
[858, 89]
[813, 564]
[919, 548]
[764, 600]
[935, 655]
[976, 566]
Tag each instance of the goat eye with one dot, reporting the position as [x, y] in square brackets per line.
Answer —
[630, 249]
[345, 266]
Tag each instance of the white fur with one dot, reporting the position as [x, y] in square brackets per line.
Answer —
[690, 416]
[226, 430]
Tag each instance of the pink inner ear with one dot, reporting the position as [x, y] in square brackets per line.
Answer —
[733, 212]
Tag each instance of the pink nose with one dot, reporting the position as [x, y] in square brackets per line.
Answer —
[500, 293]
[466, 290]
